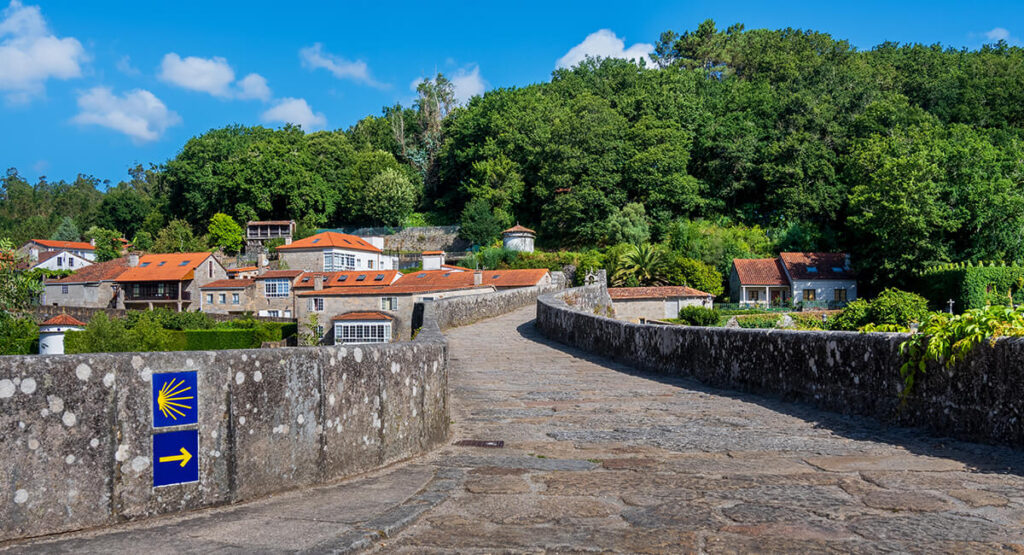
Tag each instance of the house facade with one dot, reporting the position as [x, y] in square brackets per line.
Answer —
[655, 303]
[257, 233]
[228, 296]
[807, 278]
[57, 260]
[171, 281]
[34, 248]
[94, 286]
[334, 252]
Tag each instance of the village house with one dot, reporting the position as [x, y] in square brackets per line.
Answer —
[94, 286]
[36, 247]
[811, 278]
[259, 232]
[56, 260]
[168, 280]
[228, 296]
[655, 303]
[272, 295]
[334, 252]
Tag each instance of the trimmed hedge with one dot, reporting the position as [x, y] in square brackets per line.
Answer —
[758, 321]
[972, 286]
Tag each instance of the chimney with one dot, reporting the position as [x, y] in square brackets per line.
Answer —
[478, 277]
[318, 282]
[92, 242]
[288, 239]
[133, 260]
[433, 260]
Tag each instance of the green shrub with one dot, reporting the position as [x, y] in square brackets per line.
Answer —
[891, 307]
[17, 335]
[759, 321]
[856, 315]
[699, 316]
[221, 339]
[809, 321]
[171, 320]
[973, 286]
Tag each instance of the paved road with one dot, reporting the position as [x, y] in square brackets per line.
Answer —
[600, 458]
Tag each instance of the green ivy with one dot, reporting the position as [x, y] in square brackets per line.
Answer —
[973, 286]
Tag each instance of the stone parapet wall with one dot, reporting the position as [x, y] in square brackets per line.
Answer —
[846, 372]
[461, 311]
[43, 313]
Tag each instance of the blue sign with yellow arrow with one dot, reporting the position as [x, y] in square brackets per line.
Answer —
[175, 457]
[175, 396]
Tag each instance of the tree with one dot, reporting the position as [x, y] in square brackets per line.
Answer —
[479, 224]
[390, 198]
[178, 237]
[225, 233]
[629, 225]
[642, 265]
[143, 241]
[18, 291]
[694, 273]
[67, 231]
[108, 242]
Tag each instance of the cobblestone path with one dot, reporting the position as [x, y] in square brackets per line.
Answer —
[600, 458]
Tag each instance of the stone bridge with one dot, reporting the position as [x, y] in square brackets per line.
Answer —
[599, 457]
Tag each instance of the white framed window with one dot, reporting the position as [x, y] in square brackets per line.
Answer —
[222, 298]
[209, 298]
[63, 289]
[273, 313]
[276, 288]
[337, 262]
[60, 261]
[389, 303]
[71, 262]
[316, 304]
[320, 332]
[234, 298]
[349, 333]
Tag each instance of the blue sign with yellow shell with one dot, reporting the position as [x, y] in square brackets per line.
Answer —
[175, 399]
[175, 457]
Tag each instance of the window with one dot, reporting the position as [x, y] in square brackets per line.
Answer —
[753, 295]
[209, 298]
[144, 264]
[71, 262]
[162, 262]
[840, 295]
[389, 303]
[342, 278]
[316, 304]
[362, 332]
[273, 313]
[810, 295]
[336, 262]
[222, 298]
[234, 298]
[183, 263]
[380, 277]
[209, 266]
[369, 264]
[320, 332]
[812, 269]
[361, 277]
[837, 269]
[60, 261]
[63, 289]
[276, 288]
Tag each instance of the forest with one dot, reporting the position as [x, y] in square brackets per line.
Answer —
[904, 155]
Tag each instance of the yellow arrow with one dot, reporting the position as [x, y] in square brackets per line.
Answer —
[184, 457]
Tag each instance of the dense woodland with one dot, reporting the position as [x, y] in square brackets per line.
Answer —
[738, 142]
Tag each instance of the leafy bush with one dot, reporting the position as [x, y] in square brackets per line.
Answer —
[17, 335]
[760, 321]
[807, 321]
[856, 314]
[699, 316]
[973, 286]
[106, 335]
[171, 320]
[891, 307]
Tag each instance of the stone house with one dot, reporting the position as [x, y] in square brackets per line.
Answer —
[334, 252]
[228, 296]
[655, 303]
[34, 248]
[817, 278]
[272, 294]
[259, 232]
[94, 286]
[172, 280]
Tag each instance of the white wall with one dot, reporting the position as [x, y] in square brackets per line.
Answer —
[521, 243]
[824, 289]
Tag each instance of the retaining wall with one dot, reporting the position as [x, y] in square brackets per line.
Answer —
[845, 372]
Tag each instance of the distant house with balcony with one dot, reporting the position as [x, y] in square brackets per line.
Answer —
[94, 286]
[258, 233]
[168, 280]
[818, 279]
[330, 251]
[36, 247]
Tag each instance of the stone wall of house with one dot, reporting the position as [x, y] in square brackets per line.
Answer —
[846, 372]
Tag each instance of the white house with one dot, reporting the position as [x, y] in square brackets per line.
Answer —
[51, 333]
[821, 278]
[34, 248]
[334, 252]
[655, 303]
[59, 260]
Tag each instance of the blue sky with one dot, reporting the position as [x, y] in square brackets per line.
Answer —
[95, 88]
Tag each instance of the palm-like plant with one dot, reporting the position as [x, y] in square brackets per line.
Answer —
[645, 263]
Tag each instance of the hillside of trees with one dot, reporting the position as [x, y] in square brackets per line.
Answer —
[903, 155]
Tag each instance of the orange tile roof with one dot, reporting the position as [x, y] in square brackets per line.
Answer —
[429, 253]
[348, 279]
[760, 271]
[363, 316]
[331, 239]
[624, 293]
[385, 291]
[497, 278]
[95, 273]
[243, 269]
[829, 265]
[63, 320]
[455, 268]
[229, 284]
[519, 229]
[76, 245]
[165, 267]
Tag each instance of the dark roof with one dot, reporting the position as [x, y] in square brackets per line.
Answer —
[817, 265]
[760, 271]
[668, 292]
[95, 273]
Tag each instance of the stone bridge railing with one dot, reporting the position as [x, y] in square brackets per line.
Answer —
[845, 372]
[77, 431]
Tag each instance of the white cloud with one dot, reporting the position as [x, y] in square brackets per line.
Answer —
[253, 86]
[124, 65]
[296, 111]
[998, 34]
[137, 113]
[209, 75]
[314, 57]
[604, 44]
[30, 54]
[468, 83]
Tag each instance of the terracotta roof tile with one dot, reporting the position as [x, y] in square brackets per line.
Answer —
[229, 284]
[95, 273]
[271, 222]
[385, 291]
[667, 292]
[760, 271]
[519, 229]
[363, 316]
[63, 320]
[76, 245]
[431, 253]
[165, 267]
[348, 279]
[242, 269]
[827, 265]
[331, 239]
